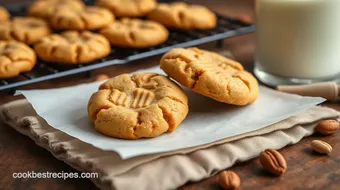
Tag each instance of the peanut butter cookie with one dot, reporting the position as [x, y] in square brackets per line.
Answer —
[211, 75]
[24, 29]
[72, 47]
[46, 8]
[4, 15]
[183, 16]
[142, 106]
[90, 18]
[135, 33]
[128, 8]
[15, 57]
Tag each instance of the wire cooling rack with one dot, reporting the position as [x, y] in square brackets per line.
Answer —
[226, 27]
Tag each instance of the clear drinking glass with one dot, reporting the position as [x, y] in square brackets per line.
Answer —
[298, 41]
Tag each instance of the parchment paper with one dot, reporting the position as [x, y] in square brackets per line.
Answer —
[208, 120]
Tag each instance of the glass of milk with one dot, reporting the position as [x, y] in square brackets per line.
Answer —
[298, 41]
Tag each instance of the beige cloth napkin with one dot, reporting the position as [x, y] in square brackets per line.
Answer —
[166, 170]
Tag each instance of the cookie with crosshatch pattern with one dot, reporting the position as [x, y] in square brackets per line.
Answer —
[15, 57]
[128, 8]
[135, 33]
[89, 18]
[211, 75]
[24, 29]
[47, 8]
[143, 105]
[183, 16]
[72, 47]
[4, 14]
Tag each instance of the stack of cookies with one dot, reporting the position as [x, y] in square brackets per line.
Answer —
[84, 34]
[146, 105]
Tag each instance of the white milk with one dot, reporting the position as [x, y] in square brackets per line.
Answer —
[298, 38]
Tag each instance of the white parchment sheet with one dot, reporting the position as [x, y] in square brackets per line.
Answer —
[66, 110]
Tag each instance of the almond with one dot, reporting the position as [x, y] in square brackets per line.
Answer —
[327, 127]
[321, 147]
[273, 161]
[229, 180]
[246, 19]
[101, 77]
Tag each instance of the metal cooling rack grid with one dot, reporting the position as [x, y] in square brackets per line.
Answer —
[226, 27]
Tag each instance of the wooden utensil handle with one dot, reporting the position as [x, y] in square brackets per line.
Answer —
[328, 90]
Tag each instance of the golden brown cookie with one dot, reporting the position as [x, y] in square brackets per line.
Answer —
[46, 8]
[72, 47]
[211, 75]
[4, 15]
[24, 29]
[144, 105]
[90, 18]
[15, 57]
[183, 16]
[135, 33]
[128, 8]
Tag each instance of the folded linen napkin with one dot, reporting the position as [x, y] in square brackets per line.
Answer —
[166, 170]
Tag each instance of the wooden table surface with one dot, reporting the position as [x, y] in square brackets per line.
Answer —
[306, 170]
